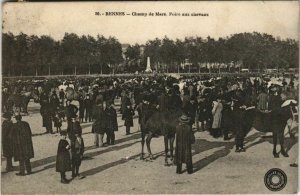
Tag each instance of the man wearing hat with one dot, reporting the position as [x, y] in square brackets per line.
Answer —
[183, 151]
[128, 117]
[22, 145]
[88, 108]
[98, 127]
[111, 122]
[7, 146]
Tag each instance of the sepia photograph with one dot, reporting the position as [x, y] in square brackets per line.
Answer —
[161, 97]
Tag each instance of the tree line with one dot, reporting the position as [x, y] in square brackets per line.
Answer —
[33, 55]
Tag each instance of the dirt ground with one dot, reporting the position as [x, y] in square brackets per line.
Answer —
[118, 168]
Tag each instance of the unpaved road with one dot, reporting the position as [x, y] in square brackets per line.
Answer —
[118, 169]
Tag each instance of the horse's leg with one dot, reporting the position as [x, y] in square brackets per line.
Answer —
[143, 143]
[148, 141]
[275, 144]
[166, 149]
[281, 142]
[172, 139]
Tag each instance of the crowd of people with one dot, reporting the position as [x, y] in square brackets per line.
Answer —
[208, 104]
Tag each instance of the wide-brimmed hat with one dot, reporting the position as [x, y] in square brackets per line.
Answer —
[184, 118]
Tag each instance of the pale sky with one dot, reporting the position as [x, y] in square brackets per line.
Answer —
[225, 18]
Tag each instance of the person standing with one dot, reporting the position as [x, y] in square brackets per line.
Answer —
[7, 146]
[54, 101]
[203, 112]
[239, 122]
[191, 108]
[128, 118]
[62, 97]
[74, 131]
[81, 108]
[47, 113]
[88, 108]
[217, 118]
[98, 127]
[183, 151]
[63, 159]
[111, 123]
[22, 145]
[77, 150]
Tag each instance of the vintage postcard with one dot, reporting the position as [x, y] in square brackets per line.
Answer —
[150, 97]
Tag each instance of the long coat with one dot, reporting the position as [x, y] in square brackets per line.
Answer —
[217, 115]
[99, 117]
[22, 141]
[183, 151]
[124, 101]
[111, 119]
[7, 146]
[47, 113]
[128, 117]
[63, 158]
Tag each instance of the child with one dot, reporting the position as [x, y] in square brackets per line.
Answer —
[128, 117]
[57, 123]
[63, 159]
[77, 154]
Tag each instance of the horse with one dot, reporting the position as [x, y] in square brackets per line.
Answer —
[164, 124]
[19, 102]
[275, 122]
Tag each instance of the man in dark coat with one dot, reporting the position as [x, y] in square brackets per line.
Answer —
[98, 127]
[238, 114]
[7, 146]
[124, 101]
[54, 101]
[81, 108]
[62, 97]
[22, 145]
[128, 118]
[88, 108]
[111, 123]
[183, 152]
[47, 112]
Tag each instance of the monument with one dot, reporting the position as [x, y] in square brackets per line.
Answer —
[148, 68]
